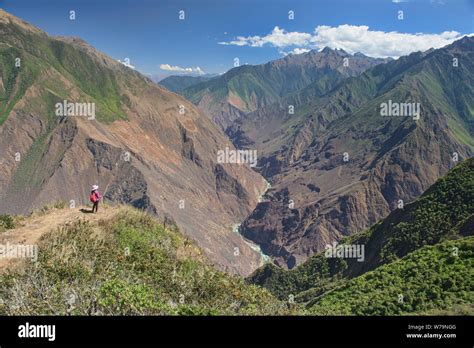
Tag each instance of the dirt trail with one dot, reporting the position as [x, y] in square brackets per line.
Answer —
[34, 227]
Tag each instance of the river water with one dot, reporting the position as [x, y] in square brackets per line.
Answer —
[236, 229]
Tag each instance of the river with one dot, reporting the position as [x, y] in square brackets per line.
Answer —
[236, 229]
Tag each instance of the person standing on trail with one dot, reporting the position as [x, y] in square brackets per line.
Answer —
[95, 198]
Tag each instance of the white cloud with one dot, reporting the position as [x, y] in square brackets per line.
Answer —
[126, 62]
[379, 43]
[175, 68]
[296, 50]
[350, 38]
[278, 38]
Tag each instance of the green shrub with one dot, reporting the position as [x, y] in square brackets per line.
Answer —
[6, 222]
[430, 278]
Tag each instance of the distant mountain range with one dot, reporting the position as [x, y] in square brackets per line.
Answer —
[142, 144]
[249, 87]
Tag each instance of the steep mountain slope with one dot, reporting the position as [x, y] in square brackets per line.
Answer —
[177, 83]
[246, 88]
[146, 146]
[338, 165]
[124, 263]
[434, 278]
[412, 251]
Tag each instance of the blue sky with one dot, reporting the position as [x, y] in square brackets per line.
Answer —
[150, 34]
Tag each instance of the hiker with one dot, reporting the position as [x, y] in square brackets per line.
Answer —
[95, 198]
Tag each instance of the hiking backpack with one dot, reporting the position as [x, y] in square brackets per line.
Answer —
[93, 197]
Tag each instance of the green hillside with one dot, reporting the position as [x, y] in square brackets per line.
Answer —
[435, 277]
[62, 61]
[126, 265]
[15, 79]
[246, 82]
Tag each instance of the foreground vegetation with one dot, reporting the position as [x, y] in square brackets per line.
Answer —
[128, 265]
[433, 278]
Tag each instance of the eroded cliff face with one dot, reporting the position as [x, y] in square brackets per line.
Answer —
[141, 148]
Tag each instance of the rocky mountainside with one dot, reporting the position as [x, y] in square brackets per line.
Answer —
[249, 87]
[142, 144]
[423, 251]
[177, 83]
[340, 163]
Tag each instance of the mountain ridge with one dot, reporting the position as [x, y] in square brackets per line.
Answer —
[246, 88]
